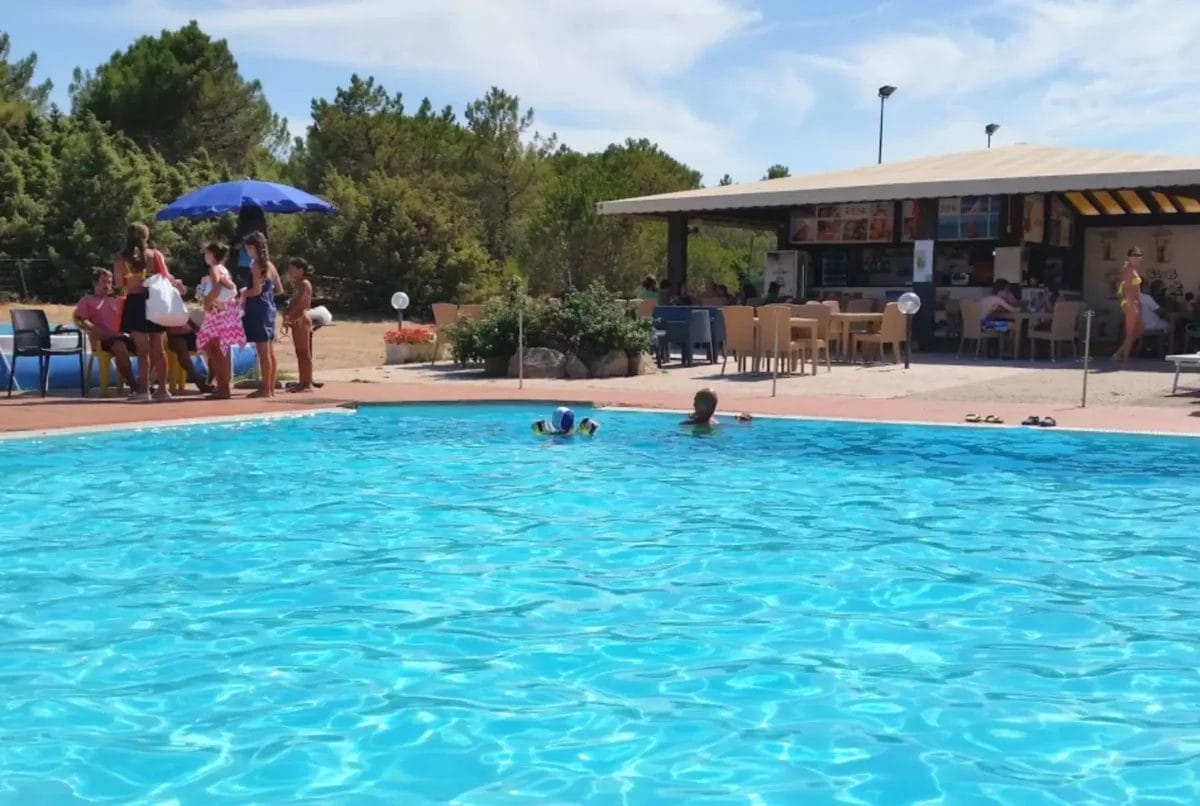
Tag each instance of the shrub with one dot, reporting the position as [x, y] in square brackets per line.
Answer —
[586, 323]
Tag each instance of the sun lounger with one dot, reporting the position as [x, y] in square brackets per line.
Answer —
[1181, 361]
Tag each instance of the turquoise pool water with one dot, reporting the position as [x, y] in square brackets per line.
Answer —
[431, 605]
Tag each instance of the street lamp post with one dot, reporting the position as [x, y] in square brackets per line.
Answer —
[885, 92]
[909, 303]
[990, 129]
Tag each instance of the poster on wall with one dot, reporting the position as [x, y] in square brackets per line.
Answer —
[968, 218]
[781, 267]
[1034, 227]
[910, 220]
[843, 223]
[1060, 228]
[922, 262]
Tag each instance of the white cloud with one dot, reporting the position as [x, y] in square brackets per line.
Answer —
[1055, 71]
[590, 69]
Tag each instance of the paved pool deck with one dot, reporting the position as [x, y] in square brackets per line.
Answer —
[932, 394]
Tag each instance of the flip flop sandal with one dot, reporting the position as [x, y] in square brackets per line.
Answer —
[973, 418]
[992, 419]
[1048, 422]
[1031, 421]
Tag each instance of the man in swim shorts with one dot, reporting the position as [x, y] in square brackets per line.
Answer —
[97, 314]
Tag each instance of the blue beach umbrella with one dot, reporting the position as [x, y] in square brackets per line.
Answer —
[230, 197]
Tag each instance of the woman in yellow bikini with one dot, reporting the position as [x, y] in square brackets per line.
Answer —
[1129, 291]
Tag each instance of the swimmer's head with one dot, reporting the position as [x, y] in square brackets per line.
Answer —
[563, 419]
[704, 405]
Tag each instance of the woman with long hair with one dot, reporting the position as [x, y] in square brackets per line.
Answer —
[131, 267]
[1129, 292]
[259, 313]
[221, 330]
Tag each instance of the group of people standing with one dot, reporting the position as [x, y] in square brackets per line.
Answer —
[232, 318]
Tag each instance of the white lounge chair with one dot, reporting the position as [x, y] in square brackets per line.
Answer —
[1181, 361]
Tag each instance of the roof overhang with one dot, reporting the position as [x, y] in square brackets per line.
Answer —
[1000, 171]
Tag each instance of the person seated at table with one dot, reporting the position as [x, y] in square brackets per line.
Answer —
[998, 310]
[684, 297]
[664, 291]
[704, 410]
[748, 293]
[1152, 323]
[649, 289]
[1044, 314]
[774, 294]
[98, 315]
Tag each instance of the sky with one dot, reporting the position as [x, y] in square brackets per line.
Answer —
[727, 86]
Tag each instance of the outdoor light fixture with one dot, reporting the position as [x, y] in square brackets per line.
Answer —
[885, 92]
[908, 303]
[989, 130]
[400, 303]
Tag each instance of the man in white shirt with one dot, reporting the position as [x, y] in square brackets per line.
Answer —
[998, 303]
[1151, 321]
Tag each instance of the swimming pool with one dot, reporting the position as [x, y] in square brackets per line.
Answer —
[426, 605]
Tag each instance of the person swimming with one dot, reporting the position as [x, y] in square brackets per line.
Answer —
[704, 410]
[562, 424]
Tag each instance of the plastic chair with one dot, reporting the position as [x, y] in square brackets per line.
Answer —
[700, 332]
[105, 368]
[739, 334]
[31, 339]
[775, 328]
[972, 326]
[824, 316]
[1062, 328]
[890, 332]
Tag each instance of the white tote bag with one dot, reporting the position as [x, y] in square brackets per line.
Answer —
[164, 305]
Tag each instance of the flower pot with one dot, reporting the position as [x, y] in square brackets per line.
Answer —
[407, 353]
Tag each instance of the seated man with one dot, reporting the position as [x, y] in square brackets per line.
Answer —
[181, 340]
[97, 314]
[997, 309]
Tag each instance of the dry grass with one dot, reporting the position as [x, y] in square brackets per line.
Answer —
[352, 342]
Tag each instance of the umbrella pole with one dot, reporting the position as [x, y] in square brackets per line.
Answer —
[521, 347]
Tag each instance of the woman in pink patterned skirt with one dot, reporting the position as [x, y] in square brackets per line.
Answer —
[222, 326]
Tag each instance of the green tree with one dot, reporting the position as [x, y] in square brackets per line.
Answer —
[505, 167]
[777, 171]
[181, 94]
[18, 94]
[566, 243]
[392, 234]
[725, 180]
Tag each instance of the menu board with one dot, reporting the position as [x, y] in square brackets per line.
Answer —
[968, 218]
[1060, 228]
[1034, 227]
[843, 223]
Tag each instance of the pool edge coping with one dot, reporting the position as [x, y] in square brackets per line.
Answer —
[182, 422]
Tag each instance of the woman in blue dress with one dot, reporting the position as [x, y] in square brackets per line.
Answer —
[258, 316]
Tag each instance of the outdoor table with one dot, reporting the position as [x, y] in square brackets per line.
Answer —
[1019, 321]
[843, 321]
[800, 323]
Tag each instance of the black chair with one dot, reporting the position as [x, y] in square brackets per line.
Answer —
[31, 338]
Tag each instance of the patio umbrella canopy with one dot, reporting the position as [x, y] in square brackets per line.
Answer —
[229, 197]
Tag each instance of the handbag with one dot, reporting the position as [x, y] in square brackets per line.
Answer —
[164, 305]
